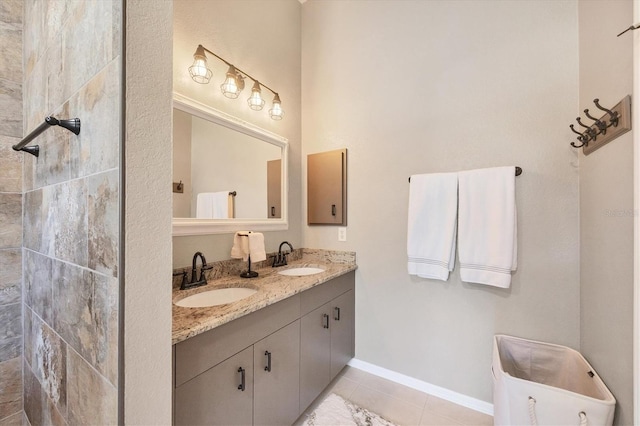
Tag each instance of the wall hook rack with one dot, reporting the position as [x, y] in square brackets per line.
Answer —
[615, 122]
[72, 124]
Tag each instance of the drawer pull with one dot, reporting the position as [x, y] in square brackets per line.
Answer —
[241, 386]
[333, 210]
[325, 321]
[336, 313]
[268, 367]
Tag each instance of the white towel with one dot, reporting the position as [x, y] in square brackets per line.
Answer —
[247, 243]
[487, 228]
[256, 247]
[212, 205]
[240, 249]
[431, 233]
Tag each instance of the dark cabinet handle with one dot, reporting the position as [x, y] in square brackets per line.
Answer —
[268, 367]
[273, 211]
[333, 209]
[336, 313]
[325, 321]
[241, 386]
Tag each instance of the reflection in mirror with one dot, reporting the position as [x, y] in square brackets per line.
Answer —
[233, 174]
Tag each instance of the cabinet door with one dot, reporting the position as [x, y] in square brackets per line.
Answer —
[327, 188]
[216, 397]
[274, 189]
[342, 331]
[276, 380]
[315, 354]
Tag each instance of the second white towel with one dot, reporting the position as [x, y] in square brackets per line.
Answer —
[431, 231]
[487, 240]
[247, 243]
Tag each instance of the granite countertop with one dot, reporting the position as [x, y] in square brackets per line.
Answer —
[272, 288]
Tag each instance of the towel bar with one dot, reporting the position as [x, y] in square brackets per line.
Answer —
[518, 172]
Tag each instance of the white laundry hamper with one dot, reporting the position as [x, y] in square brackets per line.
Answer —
[536, 383]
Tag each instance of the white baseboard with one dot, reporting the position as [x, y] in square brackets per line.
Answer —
[440, 392]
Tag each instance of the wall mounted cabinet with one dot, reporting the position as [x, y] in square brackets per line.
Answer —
[327, 188]
[267, 367]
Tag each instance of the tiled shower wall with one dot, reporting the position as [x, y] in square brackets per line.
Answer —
[72, 67]
[10, 212]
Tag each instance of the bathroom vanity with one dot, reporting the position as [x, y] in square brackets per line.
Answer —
[263, 359]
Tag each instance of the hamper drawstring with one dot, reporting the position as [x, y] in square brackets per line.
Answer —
[534, 420]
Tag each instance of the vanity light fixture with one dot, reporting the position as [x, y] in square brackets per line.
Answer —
[234, 83]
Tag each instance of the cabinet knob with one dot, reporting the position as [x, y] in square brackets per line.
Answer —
[325, 321]
[268, 367]
[241, 386]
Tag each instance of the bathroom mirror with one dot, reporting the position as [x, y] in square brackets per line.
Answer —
[228, 175]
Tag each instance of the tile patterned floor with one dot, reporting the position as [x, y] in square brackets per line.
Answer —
[398, 403]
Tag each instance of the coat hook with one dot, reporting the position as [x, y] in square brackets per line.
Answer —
[612, 114]
[602, 126]
[591, 134]
[631, 28]
[581, 136]
[578, 146]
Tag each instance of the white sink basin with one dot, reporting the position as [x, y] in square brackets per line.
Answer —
[216, 297]
[299, 272]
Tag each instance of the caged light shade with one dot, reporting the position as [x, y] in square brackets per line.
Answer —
[199, 71]
[233, 84]
[276, 112]
[255, 101]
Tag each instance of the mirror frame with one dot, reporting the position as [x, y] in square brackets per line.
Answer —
[192, 226]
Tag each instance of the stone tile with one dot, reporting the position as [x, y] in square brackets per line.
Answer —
[38, 407]
[55, 77]
[10, 276]
[11, 12]
[10, 348]
[97, 104]
[10, 387]
[430, 418]
[33, 34]
[52, 166]
[37, 284]
[46, 354]
[103, 221]
[11, 165]
[32, 220]
[10, 108]
[354, 374]
[100, 406]
[392, 409]
[395, 390]
[463, 415]
[81, 312]
[64, 233]
[10, 323]
[11, 219]
[11, 51]
[112, 364]
[16, 419]
[88, 29]
[35, 94]
[344, 387]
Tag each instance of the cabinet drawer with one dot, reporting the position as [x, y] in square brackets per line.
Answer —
[199, 353]
[319, 295]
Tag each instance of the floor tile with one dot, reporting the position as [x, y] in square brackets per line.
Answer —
[456, 412]
[343, 386]
[392, 409]
[429, 418]
[395, 390]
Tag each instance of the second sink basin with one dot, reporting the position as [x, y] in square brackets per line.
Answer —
[299, 272]
[215, 297]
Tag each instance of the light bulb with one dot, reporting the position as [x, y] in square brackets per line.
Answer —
[199, 71]
[255, 101]
[233, 84]
[276, 112]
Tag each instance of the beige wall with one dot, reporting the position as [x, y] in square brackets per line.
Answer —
[182, 162]
[147, 222]
[606, 205]
[263, 39]
[429, 86]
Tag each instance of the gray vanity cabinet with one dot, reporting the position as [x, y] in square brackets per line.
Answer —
[276, 378]
[223, 376]
[217, 397]
[326, 335]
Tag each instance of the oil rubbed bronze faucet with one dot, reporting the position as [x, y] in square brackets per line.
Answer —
[196, 282]
[281, 258]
